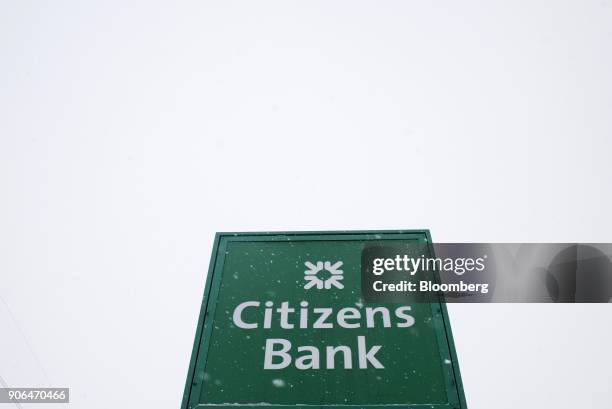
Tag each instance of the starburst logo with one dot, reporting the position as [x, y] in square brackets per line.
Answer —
[314, 280]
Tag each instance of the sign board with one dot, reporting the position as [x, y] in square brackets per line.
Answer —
[284, 324]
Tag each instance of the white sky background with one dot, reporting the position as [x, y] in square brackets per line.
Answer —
[130, 133]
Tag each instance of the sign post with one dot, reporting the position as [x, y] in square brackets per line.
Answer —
[284, 323]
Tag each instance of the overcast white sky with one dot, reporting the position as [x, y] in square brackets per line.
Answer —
[131, 131]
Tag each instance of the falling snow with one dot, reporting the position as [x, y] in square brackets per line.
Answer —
[279, 383]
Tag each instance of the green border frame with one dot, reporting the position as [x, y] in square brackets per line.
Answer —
[455, 391]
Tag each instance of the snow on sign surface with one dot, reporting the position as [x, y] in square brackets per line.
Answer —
[283, 323]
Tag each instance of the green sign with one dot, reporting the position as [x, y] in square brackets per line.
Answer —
[284, 323]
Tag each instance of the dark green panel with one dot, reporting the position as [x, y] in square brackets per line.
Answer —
[411, 359]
